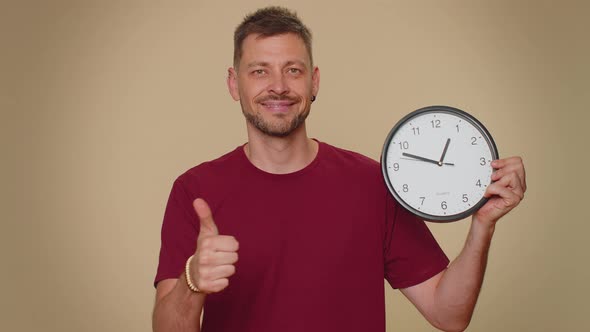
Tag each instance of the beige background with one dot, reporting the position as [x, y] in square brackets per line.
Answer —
[104, 103]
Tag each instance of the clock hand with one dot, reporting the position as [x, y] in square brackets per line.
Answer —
[415, 158]
[442, 157]
[419, 158]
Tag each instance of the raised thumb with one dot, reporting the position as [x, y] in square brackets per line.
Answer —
[208, 226]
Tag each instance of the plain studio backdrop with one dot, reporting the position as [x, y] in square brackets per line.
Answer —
[105, 103]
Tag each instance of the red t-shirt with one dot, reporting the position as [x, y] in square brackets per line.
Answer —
[315, 244]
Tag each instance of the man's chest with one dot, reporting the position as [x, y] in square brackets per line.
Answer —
[291, 233]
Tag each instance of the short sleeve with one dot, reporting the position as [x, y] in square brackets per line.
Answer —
[412, 255]
[179, 233]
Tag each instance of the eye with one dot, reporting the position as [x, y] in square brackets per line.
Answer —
[295, 71]
[258, 72]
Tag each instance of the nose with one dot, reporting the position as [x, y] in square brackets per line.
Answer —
[278, 84]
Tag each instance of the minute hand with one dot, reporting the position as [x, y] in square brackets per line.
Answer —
[424, 159]
[419, 158]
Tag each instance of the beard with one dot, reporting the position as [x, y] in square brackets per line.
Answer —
[281, 127]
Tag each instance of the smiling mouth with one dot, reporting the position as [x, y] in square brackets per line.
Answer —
[278, 105]
[275, 104]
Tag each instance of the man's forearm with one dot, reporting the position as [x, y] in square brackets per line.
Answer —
[459, 287]
[179, 310]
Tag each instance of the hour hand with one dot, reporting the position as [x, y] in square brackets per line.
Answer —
[442, 156]
[425, 159]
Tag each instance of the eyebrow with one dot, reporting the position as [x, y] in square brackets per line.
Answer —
[295, 62]
[266, 64]
[258, 64]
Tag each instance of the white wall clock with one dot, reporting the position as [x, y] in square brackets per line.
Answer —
[436, 163]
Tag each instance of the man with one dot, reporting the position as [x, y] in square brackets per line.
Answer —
[314, 226]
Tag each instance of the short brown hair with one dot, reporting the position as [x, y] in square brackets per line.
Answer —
[270, 21]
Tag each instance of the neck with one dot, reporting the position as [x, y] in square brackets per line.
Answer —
[281, 155]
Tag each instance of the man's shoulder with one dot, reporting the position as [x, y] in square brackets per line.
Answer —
[224, 163]
[353, 168]
[347, 157]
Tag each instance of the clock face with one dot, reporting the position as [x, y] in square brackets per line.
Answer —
[436, 163]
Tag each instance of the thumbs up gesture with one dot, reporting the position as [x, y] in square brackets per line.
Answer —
[214, 259]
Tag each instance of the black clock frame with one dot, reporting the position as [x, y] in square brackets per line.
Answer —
[436, 109]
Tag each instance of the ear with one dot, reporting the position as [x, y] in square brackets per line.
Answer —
[232, 83]
[315, 81]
